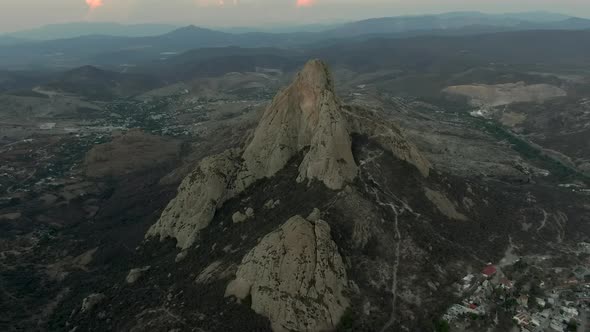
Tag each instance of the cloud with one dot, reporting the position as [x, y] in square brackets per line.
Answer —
[93, 4]
[305, 3]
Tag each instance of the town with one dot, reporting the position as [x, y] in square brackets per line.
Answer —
[531, 294]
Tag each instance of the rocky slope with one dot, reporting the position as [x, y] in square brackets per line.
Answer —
[304, 118]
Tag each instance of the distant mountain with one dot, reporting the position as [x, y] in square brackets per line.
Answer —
[534, 16]
[77, 29]
[210, 62]
[22, 80]
[95, 83]
[446, 54]
[572, 23]
[116, 51]
[458, 21]
[7, 40]
[283, 29]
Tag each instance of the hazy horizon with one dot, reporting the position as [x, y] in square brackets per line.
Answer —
[18, 15]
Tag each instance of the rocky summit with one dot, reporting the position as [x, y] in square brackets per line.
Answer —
[307, 120]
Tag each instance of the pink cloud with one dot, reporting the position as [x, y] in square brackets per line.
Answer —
[93, 4]
[305, 3]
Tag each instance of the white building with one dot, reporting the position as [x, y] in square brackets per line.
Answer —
[570, 312]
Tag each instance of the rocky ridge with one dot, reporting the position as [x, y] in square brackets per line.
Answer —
[307, 118]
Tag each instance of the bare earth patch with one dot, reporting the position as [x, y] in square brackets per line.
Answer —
[504, 94]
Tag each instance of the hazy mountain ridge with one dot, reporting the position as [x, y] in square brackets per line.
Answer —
[78, 29]
[107, 49]
[96, 83]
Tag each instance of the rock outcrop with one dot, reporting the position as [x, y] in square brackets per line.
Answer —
[136, 274]
[388, 135]
[306, 118]
[239, 217]
[306, 114]
[295, 277]
[91, 301]
[199, 195]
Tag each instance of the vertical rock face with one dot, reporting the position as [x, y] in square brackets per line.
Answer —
[295, 277]
[306, 114]
[199, 196]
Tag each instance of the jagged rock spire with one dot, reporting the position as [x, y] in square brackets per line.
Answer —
[306, 117]
[306, 114]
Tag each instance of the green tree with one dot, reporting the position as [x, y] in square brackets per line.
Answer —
[572, 325]
[442, 326]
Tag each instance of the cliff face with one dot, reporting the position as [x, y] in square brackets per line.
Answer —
[307, 118]
[305, 115]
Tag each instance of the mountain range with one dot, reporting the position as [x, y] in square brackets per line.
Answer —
[108, 46]
[77, 29]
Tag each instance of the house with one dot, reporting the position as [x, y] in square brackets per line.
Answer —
[556, 326]
[467, 281]
[569, 312]
[537, 319]
[540, 302]
[522, 319]
[489, 271]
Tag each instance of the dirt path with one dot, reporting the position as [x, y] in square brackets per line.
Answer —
[544, 221]
[398, 238]
[387, 200]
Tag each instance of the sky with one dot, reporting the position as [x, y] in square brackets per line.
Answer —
[23, 14]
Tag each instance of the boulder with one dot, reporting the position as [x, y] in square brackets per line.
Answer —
[135, 274]
[271, 204]
[181, 256]
[238, 217]
[91, 301]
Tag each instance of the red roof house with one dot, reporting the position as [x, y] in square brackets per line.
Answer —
[489, 271]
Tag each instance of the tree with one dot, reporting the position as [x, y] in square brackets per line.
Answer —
[442, 326]
[572, 325]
